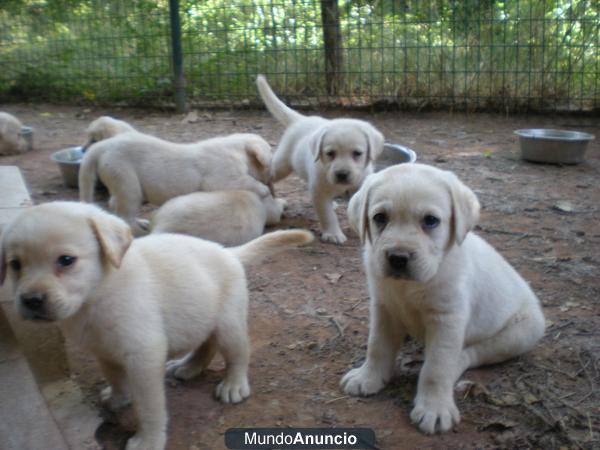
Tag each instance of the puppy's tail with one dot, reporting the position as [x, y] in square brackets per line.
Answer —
[88, 173]
[268, 244]
[276, 107]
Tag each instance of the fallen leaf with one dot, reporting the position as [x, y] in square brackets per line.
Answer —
[333, 277]
[563, 206]
[191, 117]
[498, 425]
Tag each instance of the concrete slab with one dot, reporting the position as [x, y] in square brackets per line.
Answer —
[26, 422]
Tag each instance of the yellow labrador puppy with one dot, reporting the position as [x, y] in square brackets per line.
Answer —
[133, 303]
[105, 127]
[227, 217]
[11, 139]
[430, 277]
[136, 167]
[332, 156]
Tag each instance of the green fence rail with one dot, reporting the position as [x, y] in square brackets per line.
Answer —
[462, 54]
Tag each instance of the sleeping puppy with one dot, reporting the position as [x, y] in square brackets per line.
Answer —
[430, 277]
[333, 156]
[227, 217]
[11, 139]
[103, 128]
[135, 167]
[134, 303]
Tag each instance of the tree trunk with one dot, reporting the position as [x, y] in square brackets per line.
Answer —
[332, 38]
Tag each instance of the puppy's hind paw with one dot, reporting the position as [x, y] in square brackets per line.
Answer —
[362, 381]
[233, 392]
[138, 442]
[431, 416]
[181, 369]
[112, 400]
[334, 238]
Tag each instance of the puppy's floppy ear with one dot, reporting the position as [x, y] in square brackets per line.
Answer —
[259, 155]
[113, 235]
[358, 210]
[316, 143]
[465, 209]
[374, 142]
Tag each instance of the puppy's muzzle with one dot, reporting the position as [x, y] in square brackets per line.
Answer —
[34, 306]
[342, 176]
[398, 262]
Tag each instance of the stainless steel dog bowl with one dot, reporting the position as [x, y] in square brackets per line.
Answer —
[69, 160]
[394, 154]
[553, 146]
[27, 134]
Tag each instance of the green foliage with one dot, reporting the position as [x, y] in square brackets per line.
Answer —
[540, 54]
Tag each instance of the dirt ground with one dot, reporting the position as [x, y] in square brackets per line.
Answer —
[309, 308]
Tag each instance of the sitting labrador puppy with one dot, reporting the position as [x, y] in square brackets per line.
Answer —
[137, 167]
[11, 140]
[430, 277]
[134, 303]
[333, 156]
[227, 217]
[103, 128]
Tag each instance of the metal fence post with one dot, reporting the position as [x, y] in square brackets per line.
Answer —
[179, 80]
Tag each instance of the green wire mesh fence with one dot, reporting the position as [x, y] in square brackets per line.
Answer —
[462, 54]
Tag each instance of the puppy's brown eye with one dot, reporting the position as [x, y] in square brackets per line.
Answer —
[430, 222]
[381, 219]
[356, 154]
[65, 261]
[330, 154]
[15, 264]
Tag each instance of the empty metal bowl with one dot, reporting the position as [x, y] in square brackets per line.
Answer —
[553, 146]
[69, 160]
[394, 154]
[27, 134]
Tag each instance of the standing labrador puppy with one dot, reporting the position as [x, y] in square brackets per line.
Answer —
[136, 167]
[105, 127]
[430, 277]
[134, 303]
[227, 217]
[11, 139]
[333, 156]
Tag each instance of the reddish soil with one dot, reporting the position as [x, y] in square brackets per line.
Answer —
[309, 308]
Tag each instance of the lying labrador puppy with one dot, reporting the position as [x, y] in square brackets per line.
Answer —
[136, 167]
[430, 277]
[11, 139]
[103, 128]
[134, 303]
[333, 156]
[227, 217]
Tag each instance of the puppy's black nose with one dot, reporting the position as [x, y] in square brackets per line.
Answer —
[397, 260]
[342, 176]
[33, 302]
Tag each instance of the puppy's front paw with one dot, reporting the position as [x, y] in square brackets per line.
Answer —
[333, 237]
[182, 369]
[230, 391]
[112, 400]
[362, 381]
[432, 414]
[146, 442]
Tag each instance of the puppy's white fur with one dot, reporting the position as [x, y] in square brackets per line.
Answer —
[439, 283]
[227, 217]
[11, 140]
[321, 151]
[134, 303]
[136, 167]
[105, 127]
